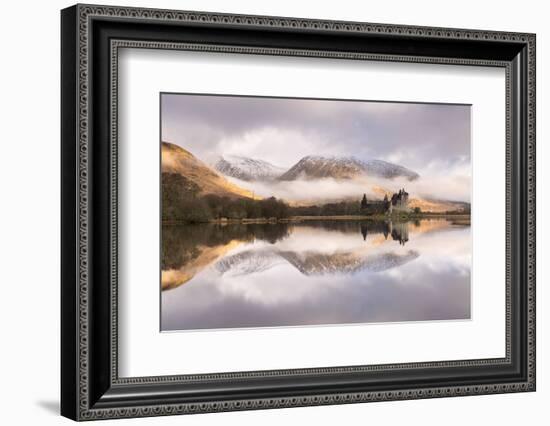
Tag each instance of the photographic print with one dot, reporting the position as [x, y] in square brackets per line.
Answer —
[301, 212]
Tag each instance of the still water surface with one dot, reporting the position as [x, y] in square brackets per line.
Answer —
[312, 273]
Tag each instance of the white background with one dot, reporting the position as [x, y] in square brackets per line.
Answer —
[141, 344]
[29, 225]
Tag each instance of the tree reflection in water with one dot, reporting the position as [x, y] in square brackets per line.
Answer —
[314, 272]
[188, 249]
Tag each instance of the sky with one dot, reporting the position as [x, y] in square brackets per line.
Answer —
[431, 139]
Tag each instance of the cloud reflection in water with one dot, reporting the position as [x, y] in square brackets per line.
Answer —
[318, 273]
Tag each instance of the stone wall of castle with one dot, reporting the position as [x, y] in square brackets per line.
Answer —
[399, 202]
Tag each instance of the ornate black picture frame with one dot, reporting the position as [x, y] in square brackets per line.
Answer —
[91, 387]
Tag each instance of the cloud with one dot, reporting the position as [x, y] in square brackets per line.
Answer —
[438, 186]
[283, 296]
[421, 137]
[271, 143]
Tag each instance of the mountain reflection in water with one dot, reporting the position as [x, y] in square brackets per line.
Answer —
[317, 272]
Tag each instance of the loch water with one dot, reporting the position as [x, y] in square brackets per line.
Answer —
[218, 276]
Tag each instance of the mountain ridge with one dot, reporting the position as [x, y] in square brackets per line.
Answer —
[345, 167]
[246, 168]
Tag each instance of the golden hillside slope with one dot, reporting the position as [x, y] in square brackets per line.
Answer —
[431, 206]
[435, 206]
[177, 160]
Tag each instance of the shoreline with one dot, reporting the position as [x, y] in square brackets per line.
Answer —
[463, 218]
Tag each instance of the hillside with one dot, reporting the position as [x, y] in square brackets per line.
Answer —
[194, 192]
[177, 160]
[438, 206]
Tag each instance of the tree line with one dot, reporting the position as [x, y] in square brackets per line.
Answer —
[182, 202]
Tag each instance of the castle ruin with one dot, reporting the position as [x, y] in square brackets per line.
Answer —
[398, 202]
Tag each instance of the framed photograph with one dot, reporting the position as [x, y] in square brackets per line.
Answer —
[263, 212]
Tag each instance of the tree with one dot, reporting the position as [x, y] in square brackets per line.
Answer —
[180, 200]
[417, 210]
[364, 202]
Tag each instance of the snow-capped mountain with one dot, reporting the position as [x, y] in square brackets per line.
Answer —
[248, 169]
[316, 167]
[388, 170]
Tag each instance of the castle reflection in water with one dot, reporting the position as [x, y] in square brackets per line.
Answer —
[314, 272]
[398, 231]
[187, 250]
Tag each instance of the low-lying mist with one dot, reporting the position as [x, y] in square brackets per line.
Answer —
[304, 191]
